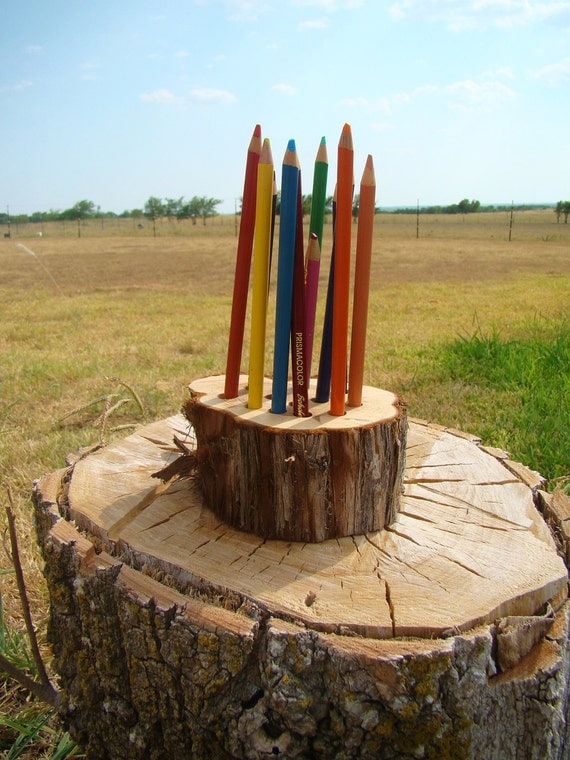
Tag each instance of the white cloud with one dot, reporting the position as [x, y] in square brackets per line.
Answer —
[318, 23]
[554, 74]
[470, 95]
[504, 72]
[330, 6]
[209, 95]
[464, 95]
[34, 49]
[23, 84]
[181, 54]
[465, 14]
[245, 10]
[286, 89]
[162, 96]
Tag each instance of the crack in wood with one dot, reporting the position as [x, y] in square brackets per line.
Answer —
[390, 605]
[463, 565]
[150, 496]
[420, 481]
[164, 521]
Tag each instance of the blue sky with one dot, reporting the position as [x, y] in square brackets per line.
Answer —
[114, 101]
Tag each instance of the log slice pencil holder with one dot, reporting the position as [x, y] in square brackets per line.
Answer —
[293, 478]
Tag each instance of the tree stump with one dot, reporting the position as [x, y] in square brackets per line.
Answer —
[443, 635]
[299, 478]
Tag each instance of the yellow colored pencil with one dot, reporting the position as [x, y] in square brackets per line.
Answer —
[261, 255]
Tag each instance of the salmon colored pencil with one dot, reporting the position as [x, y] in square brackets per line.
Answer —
[361, 283]
[344, 185]
[243, 267]
[261, 256]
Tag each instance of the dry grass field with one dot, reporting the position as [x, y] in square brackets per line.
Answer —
[118, 315]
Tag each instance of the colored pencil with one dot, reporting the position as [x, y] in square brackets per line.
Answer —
[273, 215]
[324, 376]
[361, 283]
[261, 254]
[243, 267]
[311, 290]
[286, 256]
[318, 199]
[341, 295]
[298, 321]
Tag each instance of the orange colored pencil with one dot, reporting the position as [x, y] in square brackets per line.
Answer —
[361, 283]
[243, 266]
[344, 186]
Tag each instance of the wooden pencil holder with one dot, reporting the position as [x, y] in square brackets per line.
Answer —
[298, 479]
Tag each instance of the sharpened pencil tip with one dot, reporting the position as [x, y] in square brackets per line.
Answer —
[291, 145]
[266, 156]
[257, 130]
[346, 137]
[323, 140]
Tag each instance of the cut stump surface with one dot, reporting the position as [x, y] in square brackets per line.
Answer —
[467, 547]
[444, 636]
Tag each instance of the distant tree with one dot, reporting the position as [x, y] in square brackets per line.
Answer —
[307, 201]
[208, 207]
[198, 207]
[153, 210]
[562, 209]
[80, 211]
[85, 209]
[190, 210]
[467, 207]
[172, 206]
[355, 207]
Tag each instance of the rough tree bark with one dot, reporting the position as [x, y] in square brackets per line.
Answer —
[299, 479]
[443, 636]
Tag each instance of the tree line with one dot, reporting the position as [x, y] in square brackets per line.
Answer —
[203, 207]
[197, 207]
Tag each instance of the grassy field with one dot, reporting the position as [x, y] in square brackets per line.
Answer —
[471, 329]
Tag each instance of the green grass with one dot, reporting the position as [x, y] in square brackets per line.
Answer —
[30, 729]
[514, 391]
[155, 314]
[524, 385]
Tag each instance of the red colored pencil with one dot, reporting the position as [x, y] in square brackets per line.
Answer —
[243, 267]
[341, 296]
[361, 283]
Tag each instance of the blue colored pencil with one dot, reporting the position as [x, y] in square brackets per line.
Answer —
[286, 258]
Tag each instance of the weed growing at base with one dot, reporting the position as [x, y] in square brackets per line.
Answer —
[522, 387]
